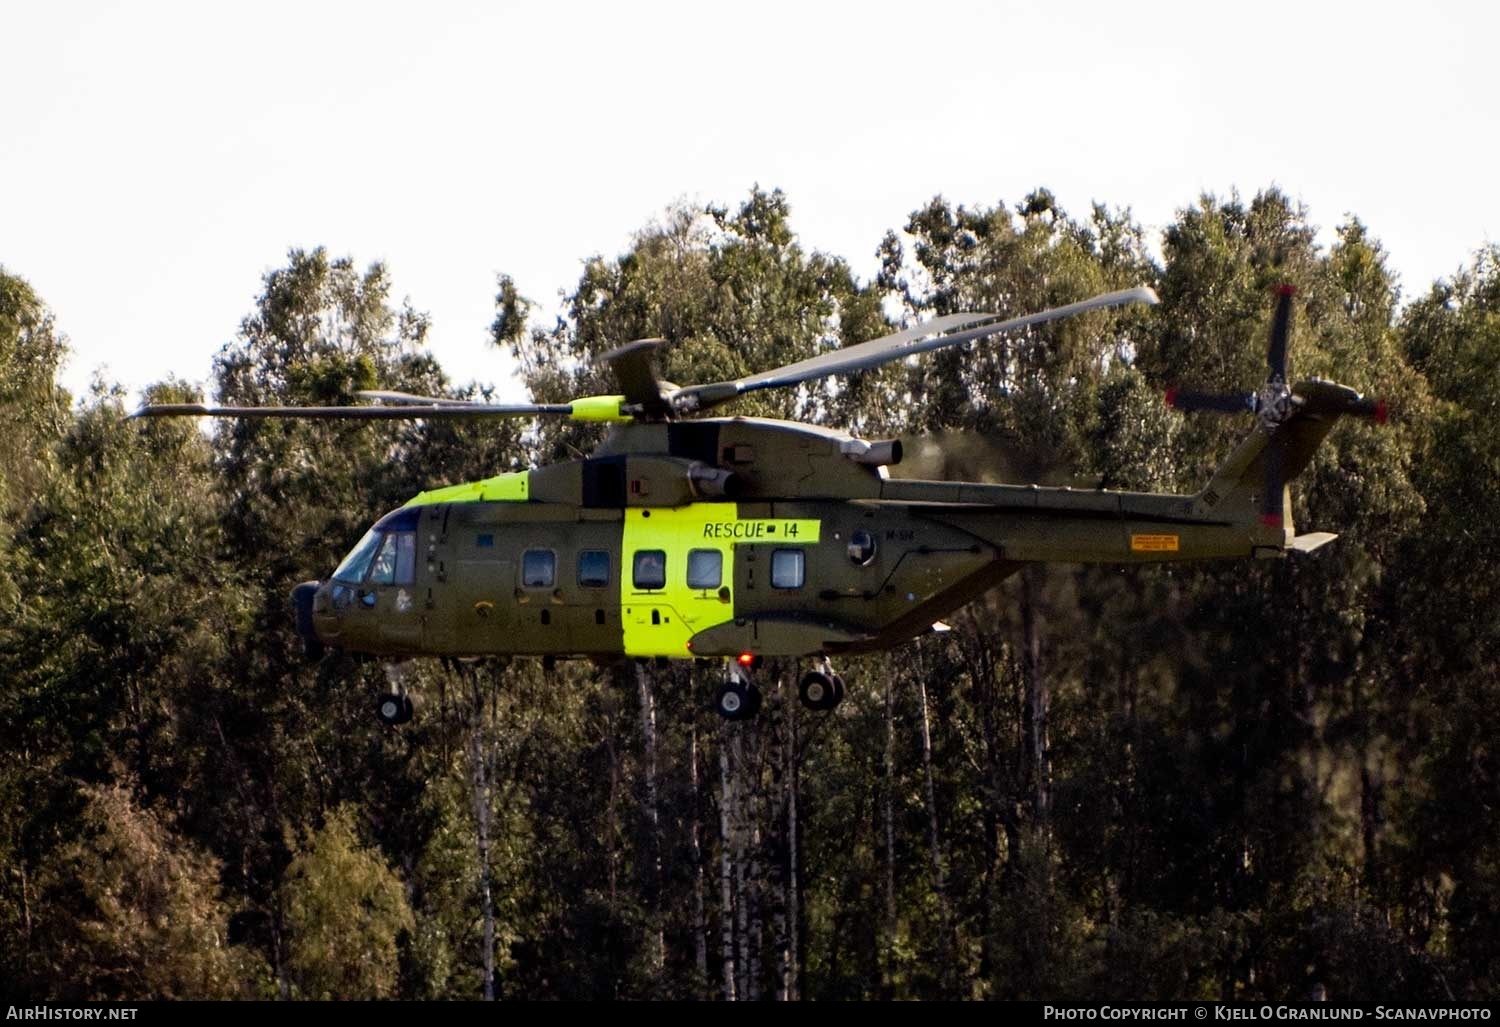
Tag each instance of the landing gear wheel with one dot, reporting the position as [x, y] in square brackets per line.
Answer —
[393, 709]
[737, 700]
[817, 691]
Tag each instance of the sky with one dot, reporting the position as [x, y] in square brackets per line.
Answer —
[157, 159]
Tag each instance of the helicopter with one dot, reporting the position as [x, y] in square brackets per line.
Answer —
[733, 539]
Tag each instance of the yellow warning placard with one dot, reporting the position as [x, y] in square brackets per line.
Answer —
[1153, 543]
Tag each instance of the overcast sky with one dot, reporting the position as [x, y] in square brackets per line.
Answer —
[156, 159]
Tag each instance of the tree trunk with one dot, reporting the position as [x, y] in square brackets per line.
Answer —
[1369, 795]
[737, 822]
[479, 777]
[726, 863]
[984, 666]
[695, 838]
[652, 812]
[755, 869]
[888, 801]
[278, 951]
[1037, 701]
[612, 819]
[934, 836]
[789, 962]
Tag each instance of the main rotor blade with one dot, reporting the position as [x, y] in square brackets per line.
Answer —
[353, 413]
[1223, 403]
[916, 340]
[407, 397]
[1281, 327]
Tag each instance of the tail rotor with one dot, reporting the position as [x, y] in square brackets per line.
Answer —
[1275, 403]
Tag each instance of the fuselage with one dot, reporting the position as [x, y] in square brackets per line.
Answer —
[720, 538]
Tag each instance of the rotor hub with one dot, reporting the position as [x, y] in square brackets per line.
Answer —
[1274, 403]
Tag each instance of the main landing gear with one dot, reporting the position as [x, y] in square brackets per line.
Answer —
[821, 689]
[738, 698]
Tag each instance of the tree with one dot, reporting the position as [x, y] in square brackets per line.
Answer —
[346, 911]
[1445, 606]
[33, 409]
[128, 910]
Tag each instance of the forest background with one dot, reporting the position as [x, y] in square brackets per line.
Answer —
[1249, 780]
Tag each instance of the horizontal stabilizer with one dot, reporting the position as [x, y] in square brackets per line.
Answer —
[1312, 540]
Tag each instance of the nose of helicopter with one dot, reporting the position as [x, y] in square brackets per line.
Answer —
[302, 604]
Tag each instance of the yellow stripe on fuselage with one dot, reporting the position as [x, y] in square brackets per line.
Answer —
[661, 622]
[514, 487]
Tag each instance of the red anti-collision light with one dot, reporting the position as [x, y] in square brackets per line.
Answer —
[746, 659]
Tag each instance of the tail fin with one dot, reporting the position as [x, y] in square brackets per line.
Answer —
[1234, 492]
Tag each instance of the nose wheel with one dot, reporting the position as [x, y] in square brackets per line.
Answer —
[393, 709]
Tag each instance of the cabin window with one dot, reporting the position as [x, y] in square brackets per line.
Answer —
[395, 563]
[593, 569]
[788, 568]
[538, 568]
[705, 568]
[650, 570]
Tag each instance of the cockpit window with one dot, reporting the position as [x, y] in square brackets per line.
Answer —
[358, 561]
[395, 563]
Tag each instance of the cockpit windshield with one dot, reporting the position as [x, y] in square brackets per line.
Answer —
[355, 565]
[382, 558]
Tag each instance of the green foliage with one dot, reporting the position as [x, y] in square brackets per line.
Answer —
[126, 909]
[33, 409]
[346, 912]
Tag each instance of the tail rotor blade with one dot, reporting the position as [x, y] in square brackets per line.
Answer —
[1222, 403]
[1271, 513]
[1375, 409]
[1281, 327]
[1319, 397]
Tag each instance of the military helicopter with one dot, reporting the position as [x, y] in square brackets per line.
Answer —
[733, 539]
